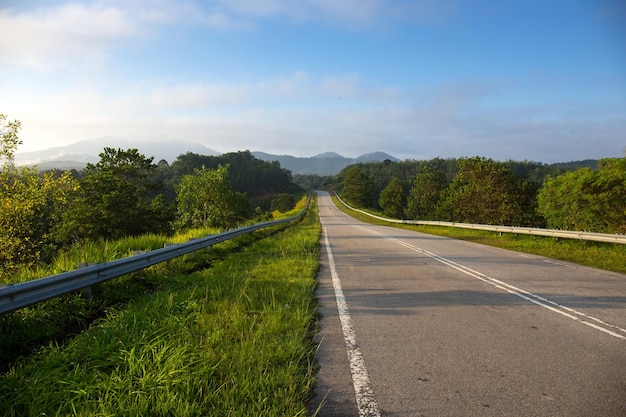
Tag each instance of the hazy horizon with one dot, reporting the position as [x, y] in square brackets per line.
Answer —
[144, 147]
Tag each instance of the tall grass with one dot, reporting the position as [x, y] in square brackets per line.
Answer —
[99, 251]
[300, 204]
[61, 318]
[231, 340]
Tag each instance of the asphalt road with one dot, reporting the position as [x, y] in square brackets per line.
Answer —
[422, 325]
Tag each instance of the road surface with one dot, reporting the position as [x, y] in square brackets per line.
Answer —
[421, 325]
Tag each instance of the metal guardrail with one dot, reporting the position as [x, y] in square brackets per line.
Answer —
[16, 296]
[566, 234]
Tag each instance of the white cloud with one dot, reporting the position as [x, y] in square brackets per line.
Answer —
[346, 85]
[158, 13]
[267, 8]
[183, 96]
[50, 39]
[359, 13]
[71, 35]
[350, 11]
[294, 85]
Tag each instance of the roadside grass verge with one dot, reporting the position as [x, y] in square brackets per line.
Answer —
[231, 340]
[607, 256]
[300, 204]
[61, 318]
[101, 250]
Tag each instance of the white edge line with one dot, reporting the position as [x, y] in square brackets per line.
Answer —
[365, 399]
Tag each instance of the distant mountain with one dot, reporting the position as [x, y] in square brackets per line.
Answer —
[327, 155]
[77, 155]
[328, 163]
[374, 157]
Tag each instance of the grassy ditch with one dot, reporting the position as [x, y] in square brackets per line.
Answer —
[231, 340]
[63, 317]
[607, 256]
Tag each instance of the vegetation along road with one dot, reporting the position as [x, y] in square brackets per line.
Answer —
[439, 327]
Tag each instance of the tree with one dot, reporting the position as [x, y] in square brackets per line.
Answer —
[392, 198]
[247, 174]
[610, 189]
[205, 199]
[283, 203]
[356, 187]
[587, 200]
[484, 191]
[426, 193]
[114, 199]
[31, 204]
[129, 167]
[309, 182]
[9, 140]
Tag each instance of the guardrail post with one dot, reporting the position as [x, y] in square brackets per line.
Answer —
[86, 292]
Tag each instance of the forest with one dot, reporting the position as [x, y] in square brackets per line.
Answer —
[127, 194]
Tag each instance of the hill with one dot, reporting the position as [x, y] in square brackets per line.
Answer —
[328, 163]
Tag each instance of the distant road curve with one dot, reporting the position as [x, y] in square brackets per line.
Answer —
[421, 325]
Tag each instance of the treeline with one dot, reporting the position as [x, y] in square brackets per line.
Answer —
[481, 190]
[382, 172]
[127, 194]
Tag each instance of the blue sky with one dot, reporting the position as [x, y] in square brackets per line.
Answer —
[516, 79]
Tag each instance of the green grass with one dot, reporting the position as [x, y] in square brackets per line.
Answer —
[104, 251]
[231, 340]
[300, 204]
[607, 256]
[61, 318]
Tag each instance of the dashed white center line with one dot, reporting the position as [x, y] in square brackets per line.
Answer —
[365, 399]
[587, 320]
[565, 311]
